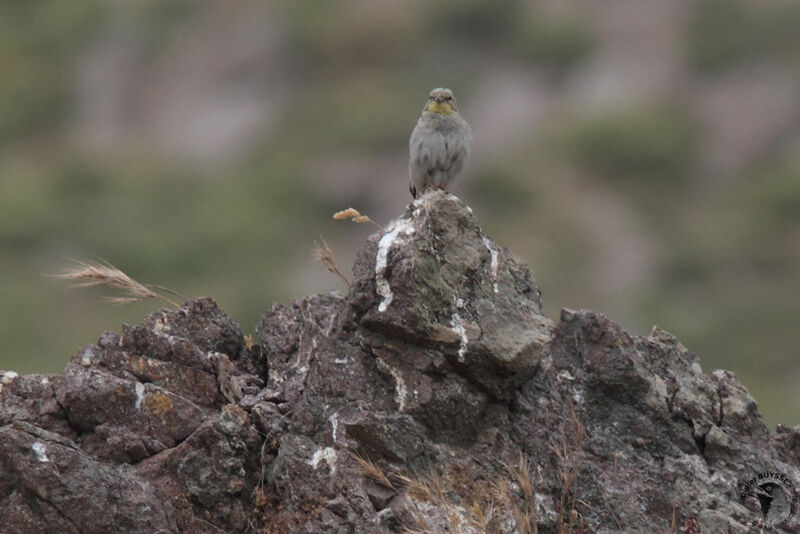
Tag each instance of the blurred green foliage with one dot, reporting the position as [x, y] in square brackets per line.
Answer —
[724, 33]
[475, 20]
[777, 191]
[501, 192]
[37, 42]
[557, 42]
[523, 29]
[362, 112]
[635, 144]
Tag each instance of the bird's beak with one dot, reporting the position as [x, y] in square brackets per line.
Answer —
[438, 106]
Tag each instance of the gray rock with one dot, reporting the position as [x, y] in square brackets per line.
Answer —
[434, 392]
[434, 279]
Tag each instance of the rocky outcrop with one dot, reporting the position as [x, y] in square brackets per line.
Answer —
[434, 397]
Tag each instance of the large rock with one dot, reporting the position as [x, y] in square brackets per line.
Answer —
[435, 397]
[141, 433]
[434, 279]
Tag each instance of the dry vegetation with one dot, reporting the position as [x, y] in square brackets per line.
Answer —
[354, 215]
[566, 451]
[324, 255]
[323, 252]
[372, 471]
[507, 502]
[101, 273]
[438, 502]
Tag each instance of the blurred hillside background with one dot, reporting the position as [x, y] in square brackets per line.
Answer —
[642, 155]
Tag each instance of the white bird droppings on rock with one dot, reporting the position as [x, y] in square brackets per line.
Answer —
[139, 394]
[458, 327]
[86, 358]
[328, 454]
[40, 451]
[401, 391]
[334, 420]
[8, 377]
[493, 264]
[404, 226]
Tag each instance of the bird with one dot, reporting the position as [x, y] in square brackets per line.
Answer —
[439, 145]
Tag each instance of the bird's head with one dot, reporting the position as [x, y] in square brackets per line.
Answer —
[441, 101]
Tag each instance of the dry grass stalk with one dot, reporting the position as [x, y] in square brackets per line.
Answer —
[354, 215]
[324, 255]
[122, 300]
[439, 503]
[346, 214]
[672, 525]
[577, 426]
[484, 508]
[508, 504]
[102, 273]
[525, 516]
[426, 493]
[415, 487]
[371, 470]
[568, 476]
[568, 516]
[483, 513]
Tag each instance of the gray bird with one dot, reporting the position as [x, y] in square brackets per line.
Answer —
[439, 144]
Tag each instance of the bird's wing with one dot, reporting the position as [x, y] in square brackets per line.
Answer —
[426, 153]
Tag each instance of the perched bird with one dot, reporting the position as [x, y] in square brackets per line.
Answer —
[439, 144]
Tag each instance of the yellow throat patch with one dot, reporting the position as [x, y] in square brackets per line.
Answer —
[441, 108]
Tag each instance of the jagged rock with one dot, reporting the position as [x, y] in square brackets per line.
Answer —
[434, 279]
[135, 436]
[434, 392]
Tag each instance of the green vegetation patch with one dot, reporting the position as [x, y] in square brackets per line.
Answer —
[724, 33]
[654, 144]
